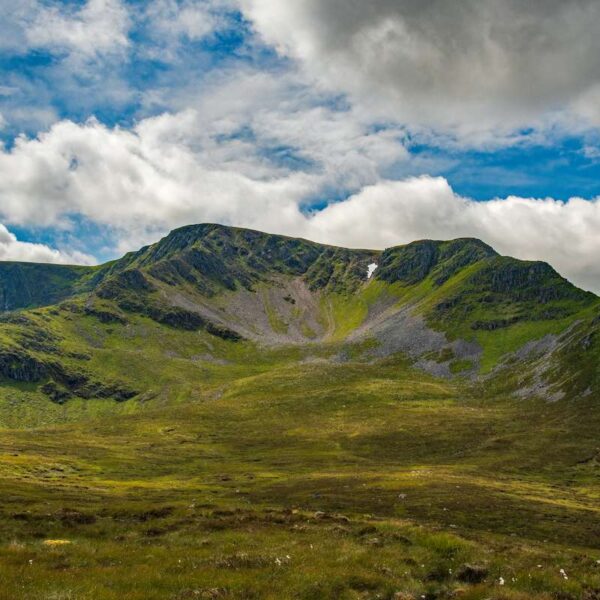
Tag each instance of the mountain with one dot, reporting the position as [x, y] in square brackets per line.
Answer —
[232, 414]
[452, 307]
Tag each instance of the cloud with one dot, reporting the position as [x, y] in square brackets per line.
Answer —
[13, 249]
[190, 19]
[99, 27]
[255, 144]
[480, 70]
[197, 166]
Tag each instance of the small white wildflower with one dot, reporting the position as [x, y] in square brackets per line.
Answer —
[501, 581]
[562, 572]
[30, 561]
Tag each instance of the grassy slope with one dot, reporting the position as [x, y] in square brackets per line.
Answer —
[212, 478]
[25, 285]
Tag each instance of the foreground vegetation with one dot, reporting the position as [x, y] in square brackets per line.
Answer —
[301, 478]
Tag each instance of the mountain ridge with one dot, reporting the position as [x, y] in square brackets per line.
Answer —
[172, 242]
[453, 308]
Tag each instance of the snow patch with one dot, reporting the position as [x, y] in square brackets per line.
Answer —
[371, 269]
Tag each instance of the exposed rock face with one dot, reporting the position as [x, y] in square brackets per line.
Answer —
[525, 281]
[121, 284]
[17, 365]
[409, 264]
[87, 389]
[105, 315]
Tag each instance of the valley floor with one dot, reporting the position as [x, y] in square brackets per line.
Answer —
[308, 479]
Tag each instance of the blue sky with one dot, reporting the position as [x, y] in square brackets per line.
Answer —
[363, 126]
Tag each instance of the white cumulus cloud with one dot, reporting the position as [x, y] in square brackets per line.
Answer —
[97, 28]
[13, 249]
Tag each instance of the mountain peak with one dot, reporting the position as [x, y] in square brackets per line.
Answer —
[413, 262]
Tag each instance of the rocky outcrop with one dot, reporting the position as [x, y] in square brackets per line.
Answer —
[105, 315]
[61, 392]
[408, 264]
[122, 284]
[18, 365]
[522, 281]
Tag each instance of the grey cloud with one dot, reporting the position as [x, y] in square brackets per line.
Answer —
[478, 68]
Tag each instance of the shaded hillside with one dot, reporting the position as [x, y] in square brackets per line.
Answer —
[25, 285]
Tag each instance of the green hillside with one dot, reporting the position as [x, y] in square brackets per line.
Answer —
[233, 414]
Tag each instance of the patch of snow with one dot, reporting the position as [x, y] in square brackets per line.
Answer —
[371, 269]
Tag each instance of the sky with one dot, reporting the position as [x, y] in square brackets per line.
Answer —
[363, 124]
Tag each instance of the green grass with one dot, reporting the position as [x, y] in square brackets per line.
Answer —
[346, 312]
[372, 478]
[460, 366]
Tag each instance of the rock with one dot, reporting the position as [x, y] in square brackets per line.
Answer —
[341, 518]
[472, 573]
[56, 393]
[374, 541]
[105, 315]
[18, 365]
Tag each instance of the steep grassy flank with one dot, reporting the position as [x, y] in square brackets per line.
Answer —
[26, 285]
